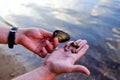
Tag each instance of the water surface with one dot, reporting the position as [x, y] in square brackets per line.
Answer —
[97, 21]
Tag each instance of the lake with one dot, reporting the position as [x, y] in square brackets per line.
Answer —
[97, 21]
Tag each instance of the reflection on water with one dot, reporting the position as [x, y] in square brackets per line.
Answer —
[97, 21]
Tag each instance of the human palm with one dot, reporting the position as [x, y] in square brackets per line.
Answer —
[61, 61]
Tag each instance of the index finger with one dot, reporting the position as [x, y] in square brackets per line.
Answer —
[46, 34]
[55, 42]
[82, 51]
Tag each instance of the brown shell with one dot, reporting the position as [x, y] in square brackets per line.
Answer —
[62, 36]
[74, 51]
[75, 44]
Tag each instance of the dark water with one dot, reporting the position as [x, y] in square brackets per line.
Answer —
[97, 21]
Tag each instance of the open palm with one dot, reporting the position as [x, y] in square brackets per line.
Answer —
[62, 61]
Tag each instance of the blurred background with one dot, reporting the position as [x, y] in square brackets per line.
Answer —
[97, 21]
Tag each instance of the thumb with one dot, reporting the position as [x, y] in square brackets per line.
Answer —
[80, 68]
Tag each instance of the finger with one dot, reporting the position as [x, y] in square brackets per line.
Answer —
[43, 52]
[82, 51]
[82, 43]
[46, 33]
[78, 41]
[55, 42]
[49, 46]
[80, 68]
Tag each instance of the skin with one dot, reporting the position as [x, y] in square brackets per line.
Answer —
[36, 40]
[60, 61]
[41, 42]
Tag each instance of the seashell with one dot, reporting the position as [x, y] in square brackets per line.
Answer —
[74, 51]
[61, 35]
[75, 44]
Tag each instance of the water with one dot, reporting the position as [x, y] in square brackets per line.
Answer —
[97, 21]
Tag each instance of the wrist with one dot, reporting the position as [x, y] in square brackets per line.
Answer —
[11, 37]
[46, 72]
[41, 73]
[18, 35]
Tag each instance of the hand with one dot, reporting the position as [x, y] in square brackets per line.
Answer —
[61, 61]
[37, 40]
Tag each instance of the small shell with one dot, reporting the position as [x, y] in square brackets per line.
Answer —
[75, 44]
[74, 51]
[62, 36]
[66, 48]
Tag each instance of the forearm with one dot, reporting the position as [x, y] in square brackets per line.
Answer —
[41, 73]
[4, 31]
